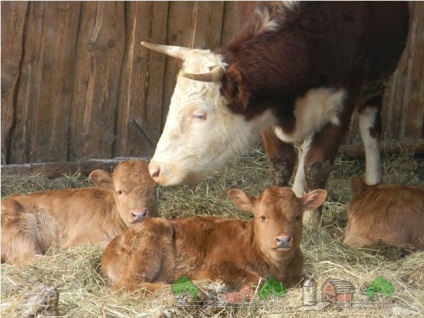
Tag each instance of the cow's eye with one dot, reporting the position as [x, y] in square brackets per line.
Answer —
[119, 192]
[298, 218]
[199, 116]
[263, 217]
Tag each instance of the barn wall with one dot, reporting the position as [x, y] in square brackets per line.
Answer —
[74, 75]
[403, 103]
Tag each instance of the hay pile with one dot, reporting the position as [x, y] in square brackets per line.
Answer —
[84, 293]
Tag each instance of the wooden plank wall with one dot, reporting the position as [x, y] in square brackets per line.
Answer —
[74, 75]
[403, 103]
[410, 87]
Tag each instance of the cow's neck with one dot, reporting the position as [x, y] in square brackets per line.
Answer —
[270, 86]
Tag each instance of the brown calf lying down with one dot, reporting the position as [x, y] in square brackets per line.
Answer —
[32, 223]
[158, 251]
[393, 214]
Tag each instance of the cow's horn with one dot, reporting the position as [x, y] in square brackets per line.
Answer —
[174, 51]
[215, 75]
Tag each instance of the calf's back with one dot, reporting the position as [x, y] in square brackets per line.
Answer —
[159, 251]
[391, 213]
[34, 222]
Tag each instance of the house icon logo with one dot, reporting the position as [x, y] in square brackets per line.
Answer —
[333, 291]
[338, 291]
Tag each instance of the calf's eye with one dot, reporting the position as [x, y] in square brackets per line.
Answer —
[119, 192]
[298, 218]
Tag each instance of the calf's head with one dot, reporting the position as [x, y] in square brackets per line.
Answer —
[278, 216]
[133, 189]
[206, 125]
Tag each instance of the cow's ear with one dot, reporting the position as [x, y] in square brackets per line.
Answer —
[233, 88]
[242, 199]
[313, 199]
[101, 179]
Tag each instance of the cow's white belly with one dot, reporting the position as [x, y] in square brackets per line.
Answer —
[315, 109]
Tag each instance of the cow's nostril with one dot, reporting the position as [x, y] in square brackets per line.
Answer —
[154, 170]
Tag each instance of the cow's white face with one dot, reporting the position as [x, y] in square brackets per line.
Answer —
[201, 134]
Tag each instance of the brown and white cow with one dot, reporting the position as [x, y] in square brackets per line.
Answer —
[294, 73]
[390, 213]
[32, 223]
[159, 251]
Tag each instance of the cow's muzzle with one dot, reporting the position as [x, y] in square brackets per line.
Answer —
[154, 171]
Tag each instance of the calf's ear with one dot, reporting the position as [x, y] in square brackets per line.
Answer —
[313, 199]
[101, 179]
[242, 199]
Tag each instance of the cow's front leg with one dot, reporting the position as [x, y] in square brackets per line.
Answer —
[316, 158]
[370, 129]
[282, 157]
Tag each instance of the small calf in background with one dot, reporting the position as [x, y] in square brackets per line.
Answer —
[159, 251]
[393, 214]
[32, 223]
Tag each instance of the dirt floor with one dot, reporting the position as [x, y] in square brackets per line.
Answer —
[70, 285]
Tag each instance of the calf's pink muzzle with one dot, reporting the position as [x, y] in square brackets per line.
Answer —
[284, 241]
[139, 215]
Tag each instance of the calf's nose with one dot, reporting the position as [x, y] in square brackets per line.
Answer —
[154, 171]
[138, 216]
[284, 241]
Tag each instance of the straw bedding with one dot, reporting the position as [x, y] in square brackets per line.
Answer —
[82, 292]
